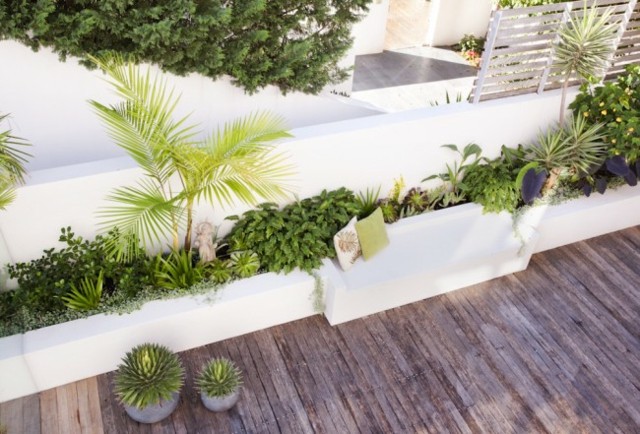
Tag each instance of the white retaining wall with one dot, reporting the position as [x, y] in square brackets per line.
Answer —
[358, 153]
[48, 102]
[450, 20]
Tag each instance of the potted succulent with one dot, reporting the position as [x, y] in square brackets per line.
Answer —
[148, 382]
[219, 383]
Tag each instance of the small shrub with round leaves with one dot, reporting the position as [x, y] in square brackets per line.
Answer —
[149, 373]
[219, 377]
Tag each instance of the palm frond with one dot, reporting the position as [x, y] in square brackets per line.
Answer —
[142, 124]
[143, 214]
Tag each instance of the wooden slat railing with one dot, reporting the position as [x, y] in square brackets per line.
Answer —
[518, 56]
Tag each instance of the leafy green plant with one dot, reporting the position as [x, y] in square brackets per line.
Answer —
[452, 178]
[471, 48]
[244, 263]
[148, 374]
[616, 105]
[584, 47]
[297, 236]
[493, 185]
[235, 161]
[43, 281]
[87, 295]
[219, 377]
[178, 270]
[296, 45]
[12, 161]
[219, 271]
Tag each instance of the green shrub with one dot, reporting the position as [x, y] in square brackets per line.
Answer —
[617, 106]
[292, 44]
[219, 271]
[297, 236]
[44, 281]
[493, 185]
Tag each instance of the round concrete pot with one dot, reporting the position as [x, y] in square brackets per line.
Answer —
[220, 403]
[154, 413]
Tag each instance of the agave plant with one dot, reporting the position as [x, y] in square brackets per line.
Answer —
[12, 161]
[149, 373]
[584, 46]
[219, 377]
[234, 162]
[244, 263]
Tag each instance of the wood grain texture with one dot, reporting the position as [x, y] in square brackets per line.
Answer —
[555, 348]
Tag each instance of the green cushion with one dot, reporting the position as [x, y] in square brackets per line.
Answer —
[372, 234]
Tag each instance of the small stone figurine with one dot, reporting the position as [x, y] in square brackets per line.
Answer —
[206, 234]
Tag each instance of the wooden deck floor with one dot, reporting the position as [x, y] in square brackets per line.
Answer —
[555, 348]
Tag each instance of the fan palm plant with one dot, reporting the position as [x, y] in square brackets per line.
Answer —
[12, 161]
[236, 161]
[584, 47]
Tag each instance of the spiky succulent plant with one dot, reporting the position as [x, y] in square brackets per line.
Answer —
[148, 374]
[219, 377]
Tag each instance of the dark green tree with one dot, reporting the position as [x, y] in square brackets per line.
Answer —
[292, 44]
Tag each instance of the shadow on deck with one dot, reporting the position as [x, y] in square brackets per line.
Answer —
[555, 348]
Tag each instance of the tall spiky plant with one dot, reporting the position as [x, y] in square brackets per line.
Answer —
[584, 47]
[12, 161]
[234, 162]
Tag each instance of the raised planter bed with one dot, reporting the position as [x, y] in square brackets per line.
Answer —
[63, 353]
[428, 255]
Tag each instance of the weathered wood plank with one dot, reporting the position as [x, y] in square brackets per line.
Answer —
[11, 416]
[89, 415]
[49, 412]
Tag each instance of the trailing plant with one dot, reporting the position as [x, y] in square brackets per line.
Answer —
[148, 374]
[218, 378]
[584, 47]
[295, 45]
[317, 296]
[236, 161]
[297, 236]
[178, 270]
[87, 295]
[616, 105]
[452, 194]
[43, 281]
[244, 263]
[12, 161]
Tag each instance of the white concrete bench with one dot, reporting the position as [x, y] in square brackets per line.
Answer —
[428, 255]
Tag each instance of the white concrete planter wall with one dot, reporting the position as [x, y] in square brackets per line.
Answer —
[63, 353]
[357, 154]
[429, 255]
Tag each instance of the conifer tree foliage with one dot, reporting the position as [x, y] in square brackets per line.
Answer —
[293, 44]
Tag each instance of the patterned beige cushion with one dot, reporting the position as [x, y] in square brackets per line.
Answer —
[347, 245]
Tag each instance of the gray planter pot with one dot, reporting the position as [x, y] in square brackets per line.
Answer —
[222, 403]
[154, 413]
